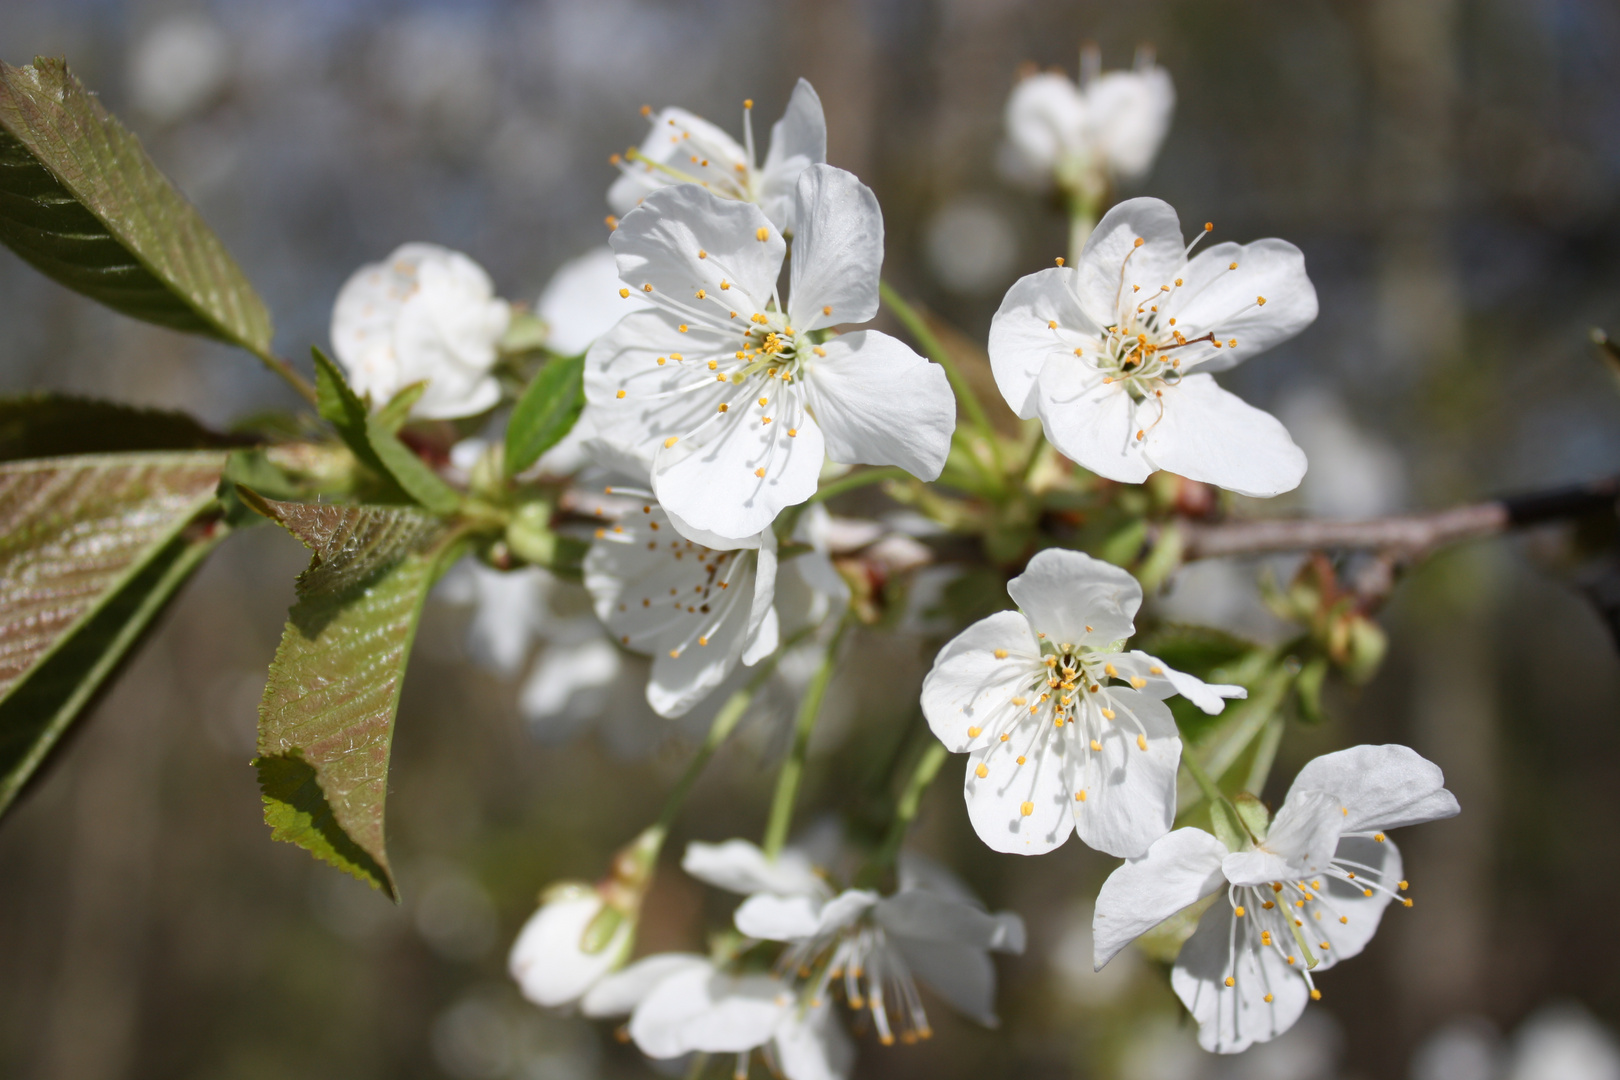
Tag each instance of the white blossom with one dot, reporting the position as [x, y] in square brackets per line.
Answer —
[1065, 730]
[876, 948]
[425, 312]
[685, 149]
[696, 609]
[681, 1003]
[733, 399]
[1116, 355]
[549, 959]
[1108, 129]
[1302, 897]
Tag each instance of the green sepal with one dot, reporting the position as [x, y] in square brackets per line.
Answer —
[393, 415]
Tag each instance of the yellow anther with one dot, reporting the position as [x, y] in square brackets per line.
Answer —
[720, 378]
[1239, 912]
[1108, 714]
[1276, 886]
[619, 394]
[982, 771]
[793, 432]
[1141, 741]
[1406, 900]
[624, 294]
[713, 364]
[674, 654]
[1080, 796]
[647, 287]
[1051, 324]
[661, 361]
[669, 442]
[762, 233]
[1366, 892]
[1316, 995]
[724, 285]
[1378, 836]
[826, 309]
[1268, 999]
[760, 472]
[1111, 671]
[1138, 682]
[701, 294]
[1139, 242]
[703, 641]
[1027, 809]
[1260, 300]
[1231, 343]
[1077, 352]
[1231, 981]
[1005, 736]
[682, 328]
[973, 732]
[1096, 747]
[762, 401]
[724, 407]
[1021, 759]
[1268, 905]
[1060, 260]
[1232, 267]
[748, 103]
[1001, 654]
[1265, 937]
[1403, 886]
[1344, 919]
[702, 254]
[1020, 701]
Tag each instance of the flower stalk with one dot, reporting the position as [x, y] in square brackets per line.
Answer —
[787, 781]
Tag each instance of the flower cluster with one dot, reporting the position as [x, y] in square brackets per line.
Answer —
[716, 406]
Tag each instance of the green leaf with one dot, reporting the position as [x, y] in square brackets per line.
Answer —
[55, 425]
[327, 718]
[91, 550]
[374, 444]
[545, 413]
[81, 201]
[393, 415]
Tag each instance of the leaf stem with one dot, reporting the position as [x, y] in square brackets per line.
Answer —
[935, 350]
[787, 781]
[724, 723]
[905, 809]
[282, 368]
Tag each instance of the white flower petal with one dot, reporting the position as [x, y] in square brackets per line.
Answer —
[798, 140]
[618, 994]
[970, 687]
[660, 400]
[546, 959]
[964, 976]
[564, 672]
[712, 477]
[741, 867]
[424, 313]
[1045, 119]
[682, 240]
[1300, 842]
[1348, 900]
[1018, 809]
[845, 909]
[879, 403]
[1023, 339]
[1180, 869]
[837, 250]
[1205, 433]
[1130, 792]
[1075, 599]
[581, 302]
[1233, 1018]
[1130, 116]
[1381, 787]
[1091, 422]
[771, 917]
[1215, 298]
[703, 1011]
[927, 916]
[692, 608]
[1161, 681]
[674, 132]
[1112, 262]
[814, 1046]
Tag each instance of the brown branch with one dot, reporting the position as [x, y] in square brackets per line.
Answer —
[1405, 537]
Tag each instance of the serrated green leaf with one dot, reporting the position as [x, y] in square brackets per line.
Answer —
[81, 202]
[374, 444]
[334, 687]
[545, 413]
[55, 425]
[91, 549]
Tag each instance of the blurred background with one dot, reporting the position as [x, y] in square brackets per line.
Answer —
[1451, 169]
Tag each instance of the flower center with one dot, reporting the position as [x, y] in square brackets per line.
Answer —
[871, 973]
